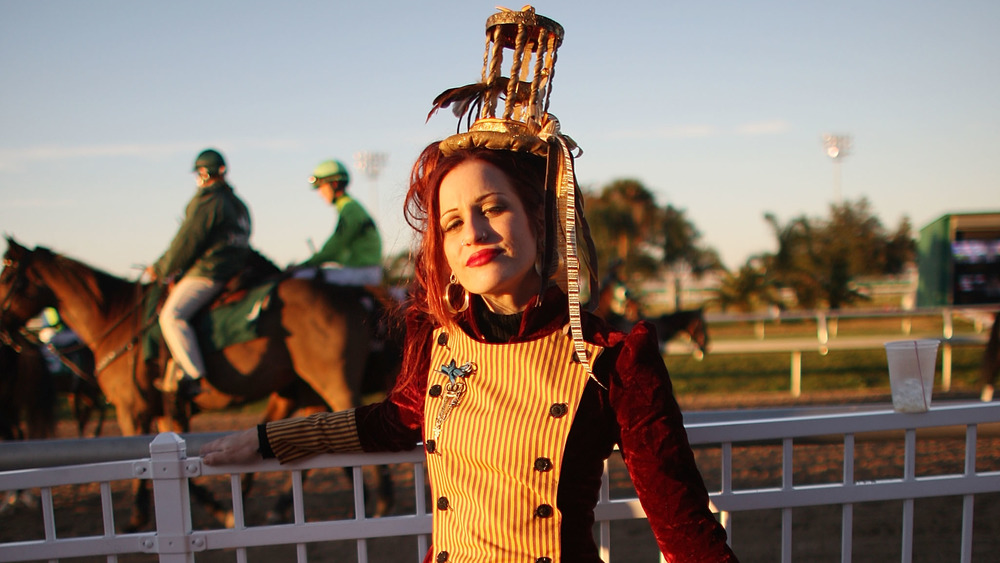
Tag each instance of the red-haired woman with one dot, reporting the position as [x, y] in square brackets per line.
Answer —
[516, 394]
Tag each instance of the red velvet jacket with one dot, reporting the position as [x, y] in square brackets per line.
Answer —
[636, 411]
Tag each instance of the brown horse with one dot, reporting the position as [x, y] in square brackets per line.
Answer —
[620, 309]
[689, 321]
[27, 391]
[315, 343]
[29, 388]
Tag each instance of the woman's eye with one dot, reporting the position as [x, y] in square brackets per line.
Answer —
[452, 225]
[493, 210]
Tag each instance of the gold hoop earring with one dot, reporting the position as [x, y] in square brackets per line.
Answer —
[453, 281]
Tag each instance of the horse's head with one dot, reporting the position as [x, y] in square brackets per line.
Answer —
[632, 309]
[22, 296]
[698, 329]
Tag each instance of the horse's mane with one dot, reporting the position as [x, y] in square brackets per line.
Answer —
[107, 290]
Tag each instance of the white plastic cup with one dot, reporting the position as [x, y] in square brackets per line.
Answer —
[912, 364]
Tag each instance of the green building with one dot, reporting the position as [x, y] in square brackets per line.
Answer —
[958, 260]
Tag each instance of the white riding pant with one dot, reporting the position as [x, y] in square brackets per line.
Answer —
[342, 275]
[188, 296]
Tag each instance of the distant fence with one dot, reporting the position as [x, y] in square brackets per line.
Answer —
[827, 338]
[175, 541]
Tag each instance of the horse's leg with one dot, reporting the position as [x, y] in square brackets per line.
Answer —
[386, 498]
[82, 410]
[140, 511]
[177, 419]
[215, 508]
[86, 399]
[141, 507]
[991, 361]
[96, 398]
[134, 425]
[134, 412]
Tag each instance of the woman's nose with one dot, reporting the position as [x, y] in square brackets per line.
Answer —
[474, 231]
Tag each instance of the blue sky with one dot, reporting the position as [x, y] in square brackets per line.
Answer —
[718, 107]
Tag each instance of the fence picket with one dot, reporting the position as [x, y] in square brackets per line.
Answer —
[169, 468]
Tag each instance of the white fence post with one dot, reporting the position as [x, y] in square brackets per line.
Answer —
[796, 386]
[946, 366]
[822, 332]
[169, 470]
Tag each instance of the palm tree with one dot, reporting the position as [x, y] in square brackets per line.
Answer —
[749, 289]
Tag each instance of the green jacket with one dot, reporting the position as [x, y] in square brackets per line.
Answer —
[355, 242]
[214, 239]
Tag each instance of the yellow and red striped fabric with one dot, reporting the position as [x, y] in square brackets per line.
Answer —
[494, 467]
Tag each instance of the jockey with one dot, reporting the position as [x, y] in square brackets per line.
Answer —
[210, 247]
[52, 332]
[353, 253]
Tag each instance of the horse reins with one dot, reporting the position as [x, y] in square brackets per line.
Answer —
[109, 358]
[34, 340]
[127, 347]
[8, 299]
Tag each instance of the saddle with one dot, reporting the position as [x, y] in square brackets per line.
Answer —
[230, 318]
[258, 270]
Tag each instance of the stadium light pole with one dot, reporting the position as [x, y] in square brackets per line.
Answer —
[837, 148]
[372, 164]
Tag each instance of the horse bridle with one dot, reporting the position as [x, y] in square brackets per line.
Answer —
[6, 338]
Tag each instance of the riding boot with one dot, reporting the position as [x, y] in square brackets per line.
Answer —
[168, 383]
[188, 387]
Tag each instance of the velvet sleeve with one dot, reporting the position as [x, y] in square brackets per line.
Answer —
[659, 459]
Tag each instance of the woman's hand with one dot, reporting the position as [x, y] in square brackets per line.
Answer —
[234, 449]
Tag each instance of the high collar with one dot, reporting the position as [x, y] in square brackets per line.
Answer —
[538, 318]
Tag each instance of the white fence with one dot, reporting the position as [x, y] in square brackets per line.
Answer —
[175, 540]
[828, 338]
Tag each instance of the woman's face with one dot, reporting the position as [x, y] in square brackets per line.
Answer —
[488, 240]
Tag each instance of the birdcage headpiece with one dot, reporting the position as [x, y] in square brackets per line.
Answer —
[512, 113]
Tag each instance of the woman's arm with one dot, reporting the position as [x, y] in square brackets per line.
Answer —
[656, 451]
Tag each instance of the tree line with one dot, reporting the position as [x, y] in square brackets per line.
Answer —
[816, 261]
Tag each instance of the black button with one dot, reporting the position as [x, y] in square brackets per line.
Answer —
[543, 464]
[435, 391]
[576, 358]
[442, 556]
[443, 341]
[430, 446]
[442, 503]
[543, 560]
[543, 511]
[558, 410]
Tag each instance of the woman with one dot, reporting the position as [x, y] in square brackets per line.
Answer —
[517, 397]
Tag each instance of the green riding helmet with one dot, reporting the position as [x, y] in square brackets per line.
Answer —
[330, 170]
[211, 160]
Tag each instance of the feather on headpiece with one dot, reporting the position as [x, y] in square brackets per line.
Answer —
[526, 126]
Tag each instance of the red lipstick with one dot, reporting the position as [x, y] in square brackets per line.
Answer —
[482, 257]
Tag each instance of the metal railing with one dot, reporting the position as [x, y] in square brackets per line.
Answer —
[827, 335]
[174, 540]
